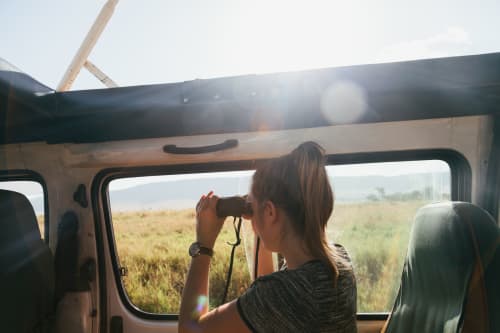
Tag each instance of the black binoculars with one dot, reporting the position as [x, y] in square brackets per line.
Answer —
[233, 206]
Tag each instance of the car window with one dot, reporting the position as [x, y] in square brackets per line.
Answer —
[35, 194]
[153, 222]
[373, 214]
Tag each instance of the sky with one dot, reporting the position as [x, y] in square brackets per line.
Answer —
[161, 41]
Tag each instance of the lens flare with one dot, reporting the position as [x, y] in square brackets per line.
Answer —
[201, 304]
[343, 102]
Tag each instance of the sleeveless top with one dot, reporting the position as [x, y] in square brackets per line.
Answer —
[304, 299]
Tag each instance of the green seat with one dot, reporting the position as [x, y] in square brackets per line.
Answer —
[451, 277]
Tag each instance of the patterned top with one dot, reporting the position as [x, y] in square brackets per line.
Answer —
[302, 300]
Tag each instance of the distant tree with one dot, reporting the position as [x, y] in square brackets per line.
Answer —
[428, 193]
[415, 195]
[381, 192]
[398, 196]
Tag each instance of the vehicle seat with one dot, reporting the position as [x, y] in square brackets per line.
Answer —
[27, 268]
[450, 280]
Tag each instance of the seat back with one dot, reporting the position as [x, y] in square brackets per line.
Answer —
[27, 268]
[450, 277]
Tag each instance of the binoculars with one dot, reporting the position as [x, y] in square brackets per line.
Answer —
[233, 206]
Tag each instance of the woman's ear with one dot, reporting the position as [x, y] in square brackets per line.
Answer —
[270, 211]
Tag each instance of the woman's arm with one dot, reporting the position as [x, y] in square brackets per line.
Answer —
[194, 315]
[194, 302]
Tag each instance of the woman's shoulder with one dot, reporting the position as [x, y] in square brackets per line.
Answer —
[342, 258]
[304, 278]
[311, 274]
[341, 251]
[295, 281]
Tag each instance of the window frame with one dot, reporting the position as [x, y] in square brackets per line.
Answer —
[30, 175]
[492, 192]
[461, 185]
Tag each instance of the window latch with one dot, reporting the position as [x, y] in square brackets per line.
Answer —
[123, 271]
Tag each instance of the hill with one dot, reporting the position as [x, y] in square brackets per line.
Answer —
[182, 194]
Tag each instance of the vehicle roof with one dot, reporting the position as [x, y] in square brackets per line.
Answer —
[421, 89]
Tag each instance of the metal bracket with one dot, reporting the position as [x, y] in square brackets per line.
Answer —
[80, 196]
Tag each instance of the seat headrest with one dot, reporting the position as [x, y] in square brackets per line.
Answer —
[452, 248]
[449, 236]
[19, 228]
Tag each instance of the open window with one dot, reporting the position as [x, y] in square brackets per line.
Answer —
[374, 208]
[33, 190]
[153, 225]
[153, 219]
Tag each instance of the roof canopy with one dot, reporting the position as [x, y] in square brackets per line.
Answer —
[434, 88]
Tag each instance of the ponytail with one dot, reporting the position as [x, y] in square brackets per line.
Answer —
[298, 183]
[317, 198]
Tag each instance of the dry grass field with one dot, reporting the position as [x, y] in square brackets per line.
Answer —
[153, 246]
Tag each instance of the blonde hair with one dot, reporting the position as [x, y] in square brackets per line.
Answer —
[298, 184]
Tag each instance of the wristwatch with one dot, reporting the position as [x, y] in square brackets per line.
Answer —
[196, 249]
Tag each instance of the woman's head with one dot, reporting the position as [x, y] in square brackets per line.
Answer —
[297, 184]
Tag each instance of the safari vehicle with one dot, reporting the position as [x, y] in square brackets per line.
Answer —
[112, 176]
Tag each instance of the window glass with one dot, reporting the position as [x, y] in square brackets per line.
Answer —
[374, 208]
[153, 223]
[34, 192]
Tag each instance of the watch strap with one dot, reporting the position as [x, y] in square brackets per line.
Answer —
[206, 251]
[197, 249]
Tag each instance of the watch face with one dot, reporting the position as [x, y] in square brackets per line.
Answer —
[194, 249]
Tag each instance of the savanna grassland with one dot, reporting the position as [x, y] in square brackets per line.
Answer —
[153, 245]
[41, 224]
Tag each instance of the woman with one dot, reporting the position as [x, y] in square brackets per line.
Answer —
[292, 201]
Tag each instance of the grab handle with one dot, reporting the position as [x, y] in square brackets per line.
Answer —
[173, 149]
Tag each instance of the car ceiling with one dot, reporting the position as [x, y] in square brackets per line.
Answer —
[421, 89]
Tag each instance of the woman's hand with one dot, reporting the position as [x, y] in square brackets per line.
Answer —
[208, 224]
